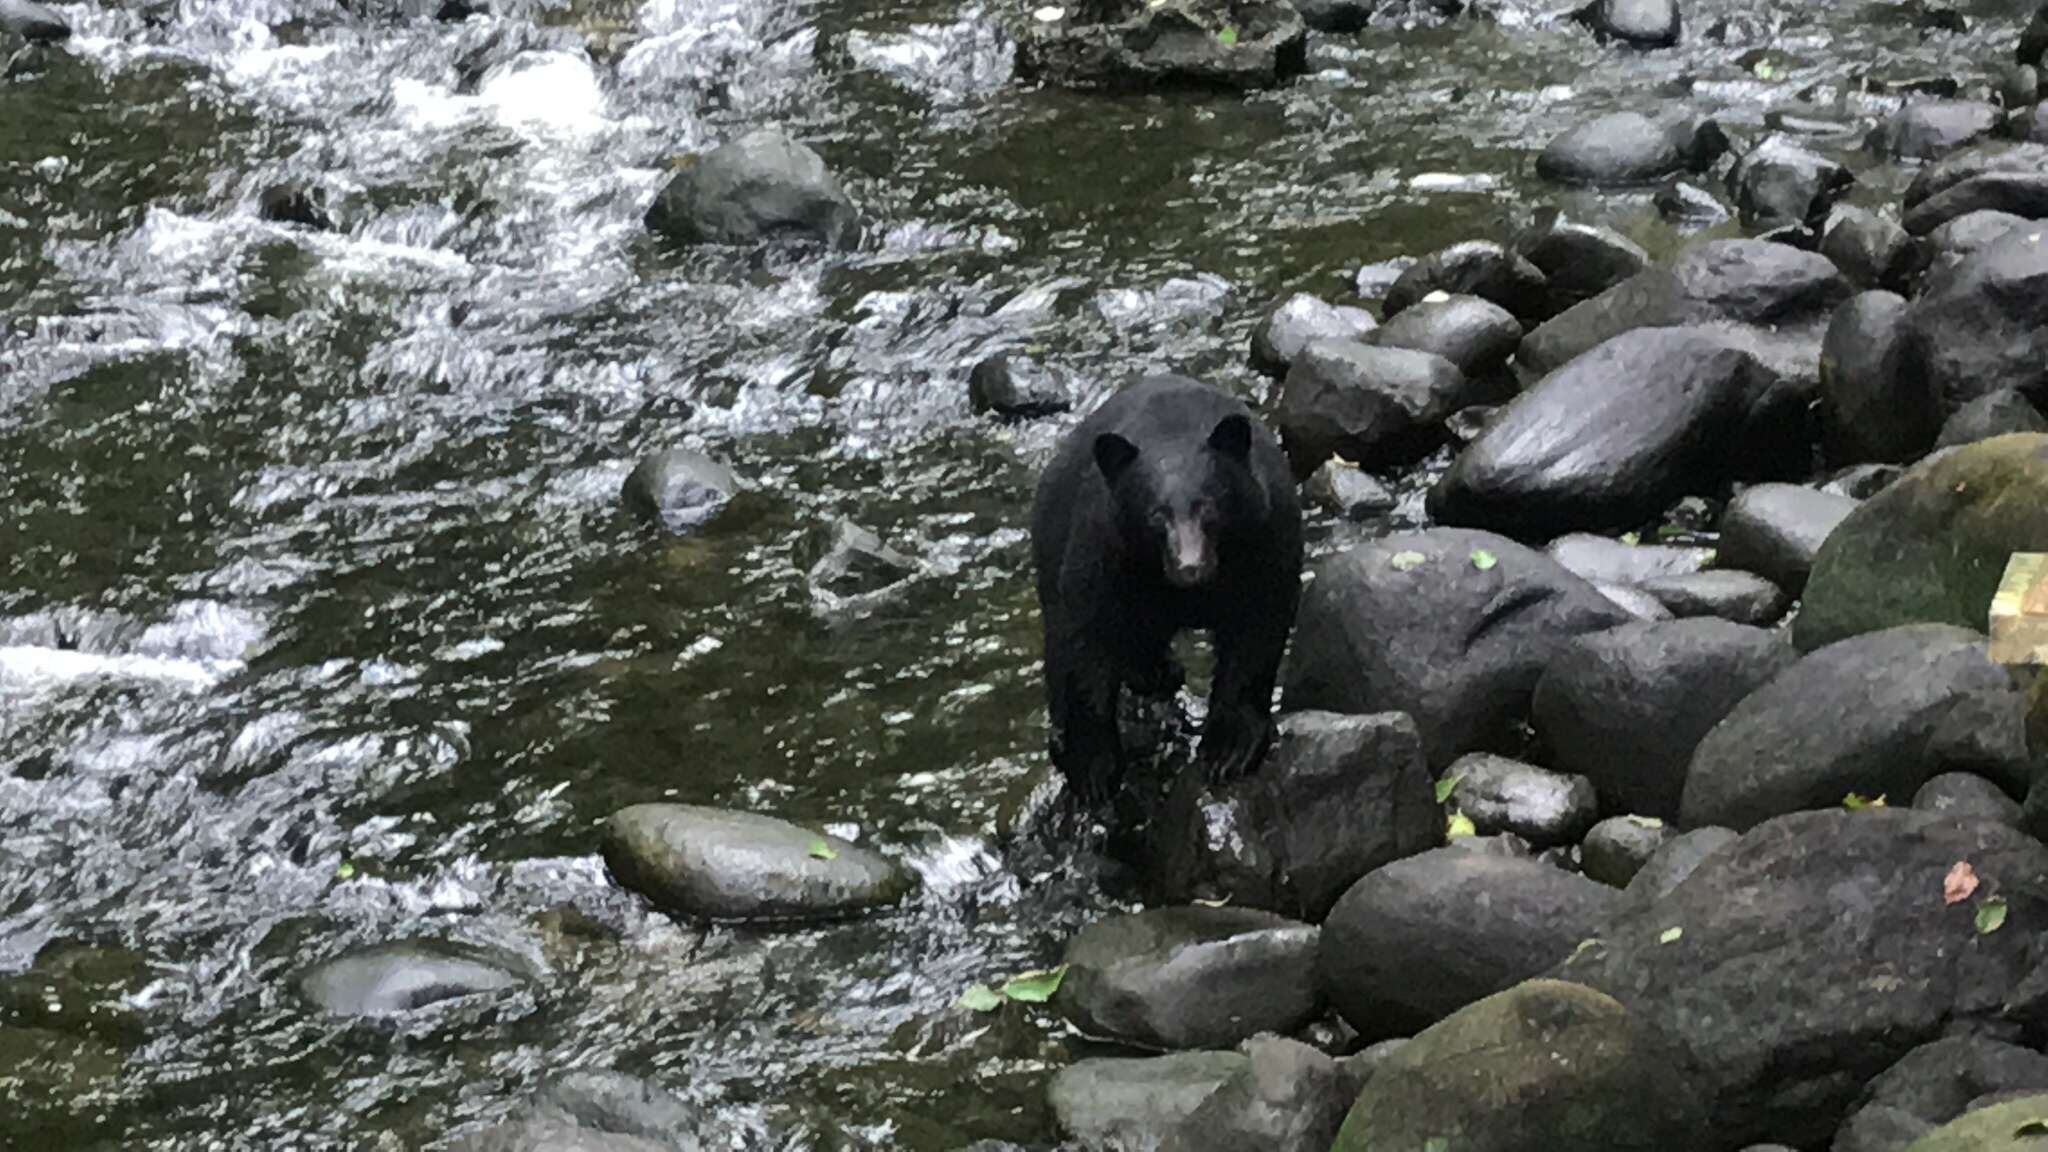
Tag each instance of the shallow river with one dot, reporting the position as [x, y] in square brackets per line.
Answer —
[320, 624]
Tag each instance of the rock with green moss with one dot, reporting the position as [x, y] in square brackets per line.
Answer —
[1544, 1065]
[1932, 547]
[2014, 1126]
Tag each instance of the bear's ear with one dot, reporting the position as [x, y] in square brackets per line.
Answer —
[1114, 455]
[1232, 436]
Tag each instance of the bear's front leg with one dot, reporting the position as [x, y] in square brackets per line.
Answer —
[1239, 726]
[1082, 689]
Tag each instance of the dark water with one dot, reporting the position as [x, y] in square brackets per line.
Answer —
[311, 562]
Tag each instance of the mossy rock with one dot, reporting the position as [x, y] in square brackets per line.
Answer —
[2014, 1126]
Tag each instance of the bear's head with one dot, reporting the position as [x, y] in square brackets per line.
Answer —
[1181, 503]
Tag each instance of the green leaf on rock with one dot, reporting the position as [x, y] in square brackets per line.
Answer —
[1670, 935]
[1446, 785]
[822, 851]
[1408, 561]
[1034, 987]
[1483, 560]
[1646, 821]
[1631, 538]
[1856, 802]
[1990, 915]
[347, 871]
[1228, 36]
[1459, 825]
[980, 998]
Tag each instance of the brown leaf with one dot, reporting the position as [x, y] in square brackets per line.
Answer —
[1960, 884]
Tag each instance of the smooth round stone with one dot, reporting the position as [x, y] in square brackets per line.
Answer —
[1300, 321]
[1190, 977]
[1970, 796]
[1618, 847]
[711, 863]
[1501, 795]
[394, 978]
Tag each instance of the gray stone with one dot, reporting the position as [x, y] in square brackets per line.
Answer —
[761, 185]
[1349, 491]
[1608, 561]
[856, 563]
[1474, 268]
[1968, 796]
[1983, 327]
[1780, 182]
[1999, 413]
[35, 23]
[1544, 808]
[1638, 23]
[1741, 597]
[1640, 605]
[1191, 977]
[1372, 406]
[1618, 847]
[678, 488]
[394, 978]
[1009, 384]
[716, 864]
[1172, 44]
[1579, 261]
[1931, 129]
[1775, 530]
[1872, 251]
[1299, 322]
[1291, 1098]
[1869, 412]
[1672, 863]
[1477, 335]
[1124, 1103]
[1629, 148]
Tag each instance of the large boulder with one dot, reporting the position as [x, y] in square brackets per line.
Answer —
[716, 864]
[1474, 268]
[1869, 411]
[1111, 1102]
[1936, 1083]
[1981, 328]
[1421, 938]
[1192, 977]
[1373, 406]
[1878, 714]
[1933, 180]
[1780, 183]
[1931, 129]
[1450, 626]
[1629, 148]
[1291, 1098]
[1334, 798]
[1805, 958]
[1300, 321]
[1614, 437]
[1243, 44]
[1627, 708]
[1775, 530]
[1542, 1067]
[1637, 23]
[1932, 546]
[761, 185]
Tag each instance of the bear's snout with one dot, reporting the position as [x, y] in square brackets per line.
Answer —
[1190, 561]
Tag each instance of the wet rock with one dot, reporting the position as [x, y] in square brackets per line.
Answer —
[1120, 1103]
[1740, 597]
[2034, 39]
[1009, 384]
[1933, 546]
[1629, 148]
[1193, 977]
[1871, 251]
[1291, 1098]
[1176, 43]
[1423, 937]
[1939, 177]
[1969, 797]
[1335, 798]
[1878, 1129]
[1640, 605]
[1474, 268]
[33, 22]
[1679, 857]
[1618, 847]
[858, 563]
[763, 184]
[1544, 808]
[1869, 411]
[1780, 182]
[1879, 714]
[1967, 235]
[1375, 407]
[1414, 623]
[1770, 986]
[595, 1112]
[1374, 281]
[1775, 530]
[1637, 23]
[1931, 129]
[1336, 15]
[2007, 1126]
[2019, 193]
[1613, 438]
[1686, 203]
[295, 204]
[716, 864]
[393, 978]
[1545, 1065]
[1349, 491]
[1579, 261]
[1299, 322]
[678, 489]
[1999, 413]
[1628, 708]
[1862, 481]
[1478, 336]
[1607, 561]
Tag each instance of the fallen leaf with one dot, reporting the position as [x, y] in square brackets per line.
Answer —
[1446, 785]
[1034, 987]
[347, 871]
[1856, 802]
[1670, 935]
[1483, 560]
[1212, 903]
[1646, 821]
[980, 998]
[1960, 884]
[1459, 825]
[823, 851]
[1631, 538]
[1990, 915]
[1228, 36]
[1408, 561]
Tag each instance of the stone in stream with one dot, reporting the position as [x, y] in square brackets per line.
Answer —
[1871, 250]
[1300, 321]
[1617, 435]
[1542, 807]
[1868, 411]
[1775, 530]
[1604, 560]
[1875, 715]
[1931, 129]
[1618, 847]
[1541, 1067]
[857, 563]
[759, 186]
[721, 865]
[1981, 328]
[33, 22]
[1988, 159]
[1349, 491]
[2019, 193]
[1136, 1103]
[1629, 148]
[295, 203]
[1015, 385]
[1740, 597]
[393, 978]
[1637, 23]
[1189, 977]
[1806, 957]
[1290, 1098]
[1450, 626]
[1478, 336]
[1688, 205]
[1999, 413]
[1579, 261]
[1375, 407]
[2012, 1125]
[1968, 796]
[1118, 45]
[1474, 268]
[1627, 708]
[595, 1111]
[1421, 938]
[1933, 546]
[1780, 182]
[1967, 235]
[678, 488]
[1335, 797]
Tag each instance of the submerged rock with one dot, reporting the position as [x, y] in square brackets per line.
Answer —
[762, 185]
[1009, 384]
[858, 563]
[1123, 1103]
[294, 203]
[678, 488]
[1191, 977]
[393, 978]
[1629, 148]
[1203, 43]
[1542, 807]
[33, 22]
[1301, 321]
[711, 863]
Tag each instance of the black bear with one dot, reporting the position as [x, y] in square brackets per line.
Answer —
[1170, 507]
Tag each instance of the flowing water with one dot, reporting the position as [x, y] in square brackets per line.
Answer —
[320, 625]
